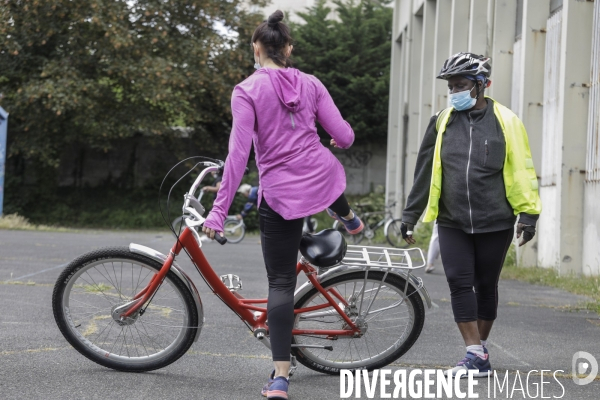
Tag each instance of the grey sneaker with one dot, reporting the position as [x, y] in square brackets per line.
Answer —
[472, 361]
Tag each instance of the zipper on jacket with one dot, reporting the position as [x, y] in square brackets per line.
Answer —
[292, 119]
[468, 165]
[487, 151]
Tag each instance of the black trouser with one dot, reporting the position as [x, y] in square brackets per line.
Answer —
[473, 261]
[280, 240]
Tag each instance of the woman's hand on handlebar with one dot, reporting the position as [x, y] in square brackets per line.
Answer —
[211, 232]
[333, 143]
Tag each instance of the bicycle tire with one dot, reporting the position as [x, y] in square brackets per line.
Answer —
[178, 225]
[83, 300]
[350, 239]
[394, 341]
[393, 234]
[234, 230]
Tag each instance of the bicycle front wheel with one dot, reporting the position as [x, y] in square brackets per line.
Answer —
[90, 289]
[234, 230]
[391, 321]
[394, 235]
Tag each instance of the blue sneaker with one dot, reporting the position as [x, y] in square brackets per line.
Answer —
[265, 388]
[472, 361]
[278, 389]
[353, 226]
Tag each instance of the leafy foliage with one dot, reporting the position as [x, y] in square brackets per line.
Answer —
[350, 54]
[100, 70]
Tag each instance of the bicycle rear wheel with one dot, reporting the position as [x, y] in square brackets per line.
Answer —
[392, 323]
[394, 235]
[350, 239]
[234, 230]
[89, 290]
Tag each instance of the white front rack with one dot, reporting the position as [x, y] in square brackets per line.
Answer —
[384, 257]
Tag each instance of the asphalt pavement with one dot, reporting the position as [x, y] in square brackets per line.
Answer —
[538, 328]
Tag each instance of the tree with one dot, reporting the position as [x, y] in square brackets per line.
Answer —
[350, 54]
[97, 71]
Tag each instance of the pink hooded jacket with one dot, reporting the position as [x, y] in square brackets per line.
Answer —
[277, 110]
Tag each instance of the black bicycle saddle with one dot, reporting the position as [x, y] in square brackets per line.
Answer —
[324, 249]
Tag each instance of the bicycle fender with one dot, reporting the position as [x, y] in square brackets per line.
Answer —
[161, 258]
[414, 281]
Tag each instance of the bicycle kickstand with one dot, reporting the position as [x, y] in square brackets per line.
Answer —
[293, 365]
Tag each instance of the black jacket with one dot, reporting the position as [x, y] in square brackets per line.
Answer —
[473, 196]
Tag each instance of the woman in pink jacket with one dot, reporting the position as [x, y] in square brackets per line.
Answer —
[277, 109]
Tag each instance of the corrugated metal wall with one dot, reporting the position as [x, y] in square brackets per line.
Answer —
[549, 223]
[591, 234]
[593, 156]
[552, 140]
[515, 95]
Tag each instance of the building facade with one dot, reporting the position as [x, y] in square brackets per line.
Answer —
[289, 7]
[546, 68]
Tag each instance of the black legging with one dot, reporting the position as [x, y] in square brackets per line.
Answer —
[280, 240]
[473, 261]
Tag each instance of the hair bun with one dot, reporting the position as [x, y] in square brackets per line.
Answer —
[275, 18]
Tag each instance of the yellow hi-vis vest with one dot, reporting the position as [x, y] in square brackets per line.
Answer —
[520, 179]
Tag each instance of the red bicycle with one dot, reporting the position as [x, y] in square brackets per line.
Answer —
[134, 309]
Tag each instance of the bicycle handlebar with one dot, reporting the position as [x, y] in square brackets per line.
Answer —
[190, 199]
[211, 167]
[220, 239]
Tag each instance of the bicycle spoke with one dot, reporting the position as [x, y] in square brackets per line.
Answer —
[98, 288]
[141, 340]
[385, 320]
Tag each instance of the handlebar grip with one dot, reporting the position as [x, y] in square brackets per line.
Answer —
[220, 239]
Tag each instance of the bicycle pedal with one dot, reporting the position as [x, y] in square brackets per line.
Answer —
[233, 282]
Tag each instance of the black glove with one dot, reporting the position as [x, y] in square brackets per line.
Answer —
[406, 230]
[527, 231]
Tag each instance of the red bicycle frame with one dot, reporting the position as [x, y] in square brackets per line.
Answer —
[244, 308]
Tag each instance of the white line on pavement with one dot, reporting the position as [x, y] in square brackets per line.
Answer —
[39, 272]
[509, 353]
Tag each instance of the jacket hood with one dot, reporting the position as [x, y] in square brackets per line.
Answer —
[288, 85]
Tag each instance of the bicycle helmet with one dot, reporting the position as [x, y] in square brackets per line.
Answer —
[468, 64]
[244, 188]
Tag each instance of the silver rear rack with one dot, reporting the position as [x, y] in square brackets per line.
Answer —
[384, 257]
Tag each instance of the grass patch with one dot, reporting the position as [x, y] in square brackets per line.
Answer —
[18, 222]
[583, 285]
[99, 288]
[28, 283]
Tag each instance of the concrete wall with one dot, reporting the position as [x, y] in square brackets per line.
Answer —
[289, 7]
[543, 68]
[137, 161]
[365, 168]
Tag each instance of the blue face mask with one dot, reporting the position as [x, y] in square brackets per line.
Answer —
[462, 100]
